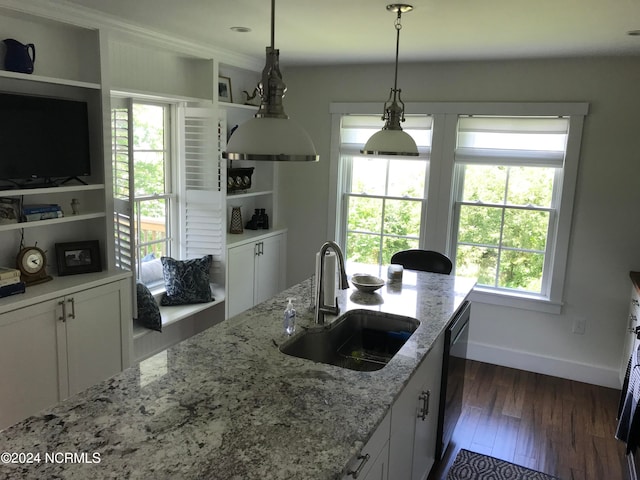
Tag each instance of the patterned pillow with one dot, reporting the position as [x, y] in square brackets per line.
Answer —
[186, 281]
[148, 311]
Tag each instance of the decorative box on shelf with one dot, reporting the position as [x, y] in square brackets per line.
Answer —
[239, 178]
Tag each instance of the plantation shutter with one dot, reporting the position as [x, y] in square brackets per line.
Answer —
[122, 163]
[514, 141]
[203, 210]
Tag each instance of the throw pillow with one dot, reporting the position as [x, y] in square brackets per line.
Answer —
[186, 281]
[148, 310]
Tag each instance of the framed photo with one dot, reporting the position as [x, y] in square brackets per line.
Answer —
[224, 89]
[9, 210]
[78, 257]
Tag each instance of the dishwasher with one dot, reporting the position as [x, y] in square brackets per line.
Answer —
[453, 377]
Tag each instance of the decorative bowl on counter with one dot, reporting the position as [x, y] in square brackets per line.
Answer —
[366, 283]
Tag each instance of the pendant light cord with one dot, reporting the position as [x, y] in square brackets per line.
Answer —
[273, 23]
[398, 26]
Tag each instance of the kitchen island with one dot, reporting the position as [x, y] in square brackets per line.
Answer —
[227, 404]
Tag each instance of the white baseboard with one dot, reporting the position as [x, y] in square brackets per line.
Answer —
[557, 367]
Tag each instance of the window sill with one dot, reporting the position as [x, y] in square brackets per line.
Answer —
[522, 301]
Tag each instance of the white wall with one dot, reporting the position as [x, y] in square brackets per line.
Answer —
[605, 241]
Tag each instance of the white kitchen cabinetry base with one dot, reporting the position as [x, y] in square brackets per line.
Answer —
[414, 420]
[29, 359]
[255, 271]
[57, 347]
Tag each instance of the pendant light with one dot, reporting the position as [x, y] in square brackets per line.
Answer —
[391, 140]
[271, 135]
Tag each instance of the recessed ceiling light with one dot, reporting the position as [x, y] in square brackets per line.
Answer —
[241, 29]
[634, 33]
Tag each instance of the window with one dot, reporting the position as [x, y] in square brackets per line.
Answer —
[143, 177]
[383, 197]
[492, 188]
[508, 179]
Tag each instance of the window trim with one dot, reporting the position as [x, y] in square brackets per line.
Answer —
[440, 200]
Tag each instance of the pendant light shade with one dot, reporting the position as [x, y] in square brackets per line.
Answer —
[392, 140]
[271, 139]
[271, 135]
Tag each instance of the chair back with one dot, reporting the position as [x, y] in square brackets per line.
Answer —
[423, 260]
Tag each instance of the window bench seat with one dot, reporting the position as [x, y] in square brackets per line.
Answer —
[179, 322]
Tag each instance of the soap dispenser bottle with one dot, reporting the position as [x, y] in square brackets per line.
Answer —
[289, 321]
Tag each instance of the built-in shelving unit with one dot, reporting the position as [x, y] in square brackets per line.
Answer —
[262, 193]
[52, 195]
[50, 80]
[68, 65]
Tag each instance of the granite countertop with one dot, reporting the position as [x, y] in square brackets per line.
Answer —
[227, 404]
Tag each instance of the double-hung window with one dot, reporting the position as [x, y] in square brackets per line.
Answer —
[142, 136]
[383, 198]
[508, 180]
[492, 188]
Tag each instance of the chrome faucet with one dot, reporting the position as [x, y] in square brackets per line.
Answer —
[321, 308]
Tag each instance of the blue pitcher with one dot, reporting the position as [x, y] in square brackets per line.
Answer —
[19, 57]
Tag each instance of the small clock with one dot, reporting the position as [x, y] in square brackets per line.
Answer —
[32, 263]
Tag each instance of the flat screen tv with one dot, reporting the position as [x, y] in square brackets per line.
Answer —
[42, 139]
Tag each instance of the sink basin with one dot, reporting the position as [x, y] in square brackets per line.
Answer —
[360, 340]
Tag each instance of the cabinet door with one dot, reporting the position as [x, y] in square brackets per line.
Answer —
[29, 354]
[373, 461]
[403, 425]
[270, 268]
[94, 341]
[426, 430]
[413, 428]
[380, 466]
[240, 278]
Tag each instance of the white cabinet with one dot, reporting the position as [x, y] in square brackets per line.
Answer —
[414, 420]
[93, 335]
[255, 271]
[373, 461]
[55, 348]
[29, 356]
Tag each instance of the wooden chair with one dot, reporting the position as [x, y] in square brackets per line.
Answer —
[423, 260]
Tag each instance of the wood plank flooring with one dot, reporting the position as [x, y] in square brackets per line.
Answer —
[560, 427]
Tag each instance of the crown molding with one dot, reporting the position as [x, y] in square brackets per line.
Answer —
[83, 17]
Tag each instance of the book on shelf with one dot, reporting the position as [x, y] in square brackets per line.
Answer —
[40, 208]
[9, 281]
[6, 272]
[34, 217]
[13, 289]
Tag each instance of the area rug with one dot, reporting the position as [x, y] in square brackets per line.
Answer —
[475, 466]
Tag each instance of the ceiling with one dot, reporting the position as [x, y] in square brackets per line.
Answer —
[362, 31]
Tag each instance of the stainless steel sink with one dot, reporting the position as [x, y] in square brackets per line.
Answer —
[360, 340]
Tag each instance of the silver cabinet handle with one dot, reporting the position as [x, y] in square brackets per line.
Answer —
[424, 411]
[63, 306]
[363, 460]
[73, 308]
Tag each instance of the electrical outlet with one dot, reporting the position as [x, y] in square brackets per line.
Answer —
[579, 325]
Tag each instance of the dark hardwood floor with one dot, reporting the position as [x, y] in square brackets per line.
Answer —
[560, 427]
